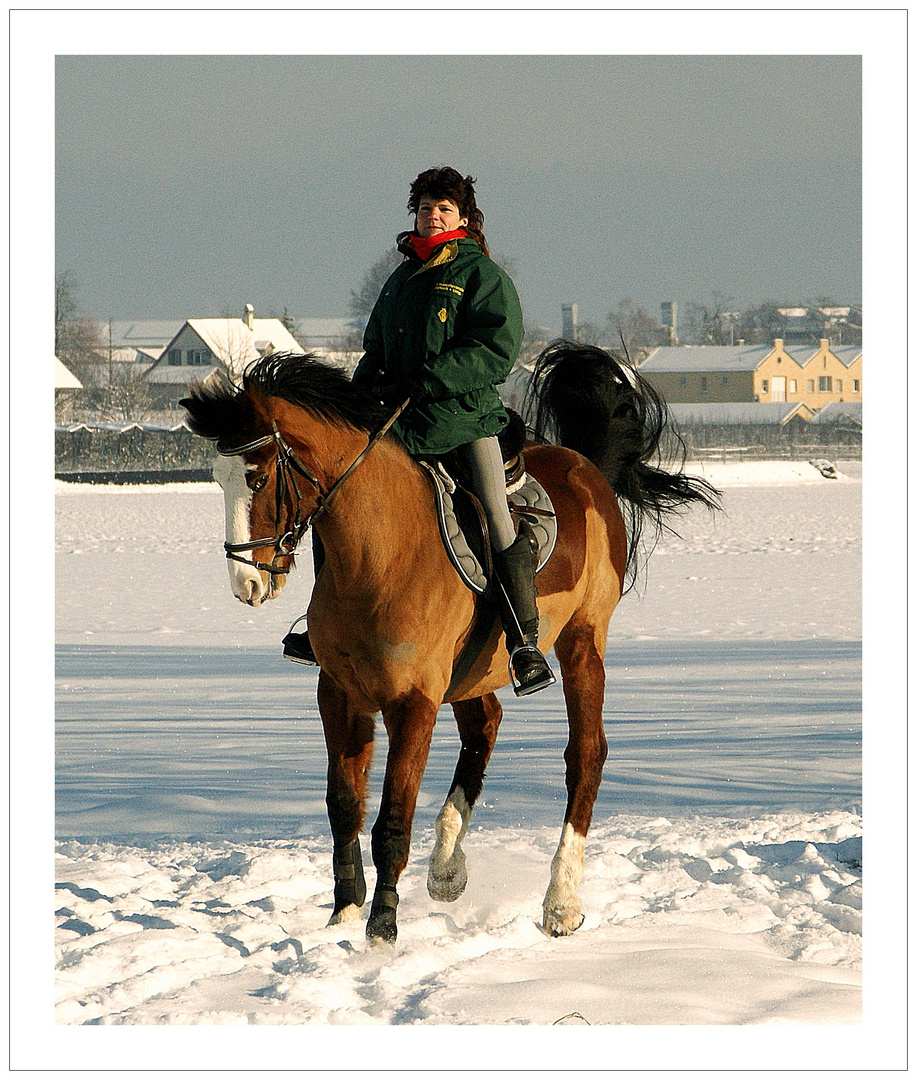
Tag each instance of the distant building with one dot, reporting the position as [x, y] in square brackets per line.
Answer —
[147, 337]
[670, 321]
[808, 324]
[814, 375]
[320, 335]
[64, 379]
[846, 414]
[203, 346]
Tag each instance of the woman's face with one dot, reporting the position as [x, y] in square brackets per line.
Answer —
[436, 216]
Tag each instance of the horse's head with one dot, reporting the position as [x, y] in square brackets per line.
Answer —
[269, 495]
[272, 485]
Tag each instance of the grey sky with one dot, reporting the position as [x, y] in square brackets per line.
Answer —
[190, 185]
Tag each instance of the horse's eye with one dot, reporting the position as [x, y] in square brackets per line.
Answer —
[256, 483]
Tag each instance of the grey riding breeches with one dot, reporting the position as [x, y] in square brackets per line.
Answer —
[488, 482]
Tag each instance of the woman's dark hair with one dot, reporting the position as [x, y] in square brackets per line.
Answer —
[446, 183]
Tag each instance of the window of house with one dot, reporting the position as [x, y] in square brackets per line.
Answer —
[173, 357]
[792, 386]
[764, 386]
[725, 381]
[856, 386]
[824, 384]
[810, 386]
[682, 382]
[198, 357]
[703, 384]
[839, 386]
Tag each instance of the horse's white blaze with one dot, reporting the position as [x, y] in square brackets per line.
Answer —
[562, 909]
[229, 473]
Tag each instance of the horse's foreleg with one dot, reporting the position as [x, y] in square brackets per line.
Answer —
[478, 721]
[410, 726]
[580, 651]
[349, 740]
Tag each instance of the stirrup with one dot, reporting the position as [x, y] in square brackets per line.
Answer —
[529, 671]
[298, 648]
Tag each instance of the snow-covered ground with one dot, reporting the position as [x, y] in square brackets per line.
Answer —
[723, 870]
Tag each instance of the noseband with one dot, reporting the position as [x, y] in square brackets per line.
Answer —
[289, 464]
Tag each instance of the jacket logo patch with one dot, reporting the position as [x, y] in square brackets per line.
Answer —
[445, 286]
[442, 314]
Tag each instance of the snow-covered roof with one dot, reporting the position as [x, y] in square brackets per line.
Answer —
[697, 358]
[848, 353]
[738, 412]
[64, 379]
[143, 333]
[311, 331]
[838, 411]
[802, 354]
[166, 375]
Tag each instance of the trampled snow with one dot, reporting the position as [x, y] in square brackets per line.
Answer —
[723, 871]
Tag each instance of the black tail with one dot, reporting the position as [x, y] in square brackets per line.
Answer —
[594, 402]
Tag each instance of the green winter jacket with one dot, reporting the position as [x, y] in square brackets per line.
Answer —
[452, 326]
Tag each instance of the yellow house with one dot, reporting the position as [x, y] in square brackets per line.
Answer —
[813, 375]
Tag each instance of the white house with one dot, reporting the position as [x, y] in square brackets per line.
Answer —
[203, 346]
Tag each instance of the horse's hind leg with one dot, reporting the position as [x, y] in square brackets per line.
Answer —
[349, 740]
[478, 721]
[580, 650]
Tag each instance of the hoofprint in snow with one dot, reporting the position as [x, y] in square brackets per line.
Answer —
[722, 873]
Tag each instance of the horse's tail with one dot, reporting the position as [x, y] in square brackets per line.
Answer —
[596, 403]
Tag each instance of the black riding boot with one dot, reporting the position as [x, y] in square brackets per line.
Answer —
[297, 647]
[515, 570]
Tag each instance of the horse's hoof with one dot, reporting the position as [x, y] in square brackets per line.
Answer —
[448, 883]
[350, 913]
[381, 927]
[559, 923]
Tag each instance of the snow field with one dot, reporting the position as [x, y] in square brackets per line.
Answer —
[202, 933]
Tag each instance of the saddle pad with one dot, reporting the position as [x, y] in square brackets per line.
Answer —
[526, 495]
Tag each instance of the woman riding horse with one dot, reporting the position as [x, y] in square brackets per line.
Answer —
[444, 333]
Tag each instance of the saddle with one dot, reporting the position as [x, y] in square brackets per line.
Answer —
[463, 526]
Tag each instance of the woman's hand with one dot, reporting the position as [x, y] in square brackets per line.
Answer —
[394, 393]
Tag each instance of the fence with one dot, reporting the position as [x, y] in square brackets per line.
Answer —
[138, 453]
[759, 442]
[130, 453]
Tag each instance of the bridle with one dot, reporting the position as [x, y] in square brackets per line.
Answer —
[289, 466]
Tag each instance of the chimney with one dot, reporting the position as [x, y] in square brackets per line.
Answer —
[670, 321]
[248, 316]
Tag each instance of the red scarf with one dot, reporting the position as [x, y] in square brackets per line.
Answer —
[424, 246]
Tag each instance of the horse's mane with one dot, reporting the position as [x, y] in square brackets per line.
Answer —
[219, 409]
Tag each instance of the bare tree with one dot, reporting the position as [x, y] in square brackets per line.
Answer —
[713, 324]
[65, 307]
[632, 330]
[363, 300]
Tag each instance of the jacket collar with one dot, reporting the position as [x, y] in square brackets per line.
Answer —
[444, 253]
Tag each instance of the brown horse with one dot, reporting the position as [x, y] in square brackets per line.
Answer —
[389, 615]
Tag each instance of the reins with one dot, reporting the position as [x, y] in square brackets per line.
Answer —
[288, 465]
